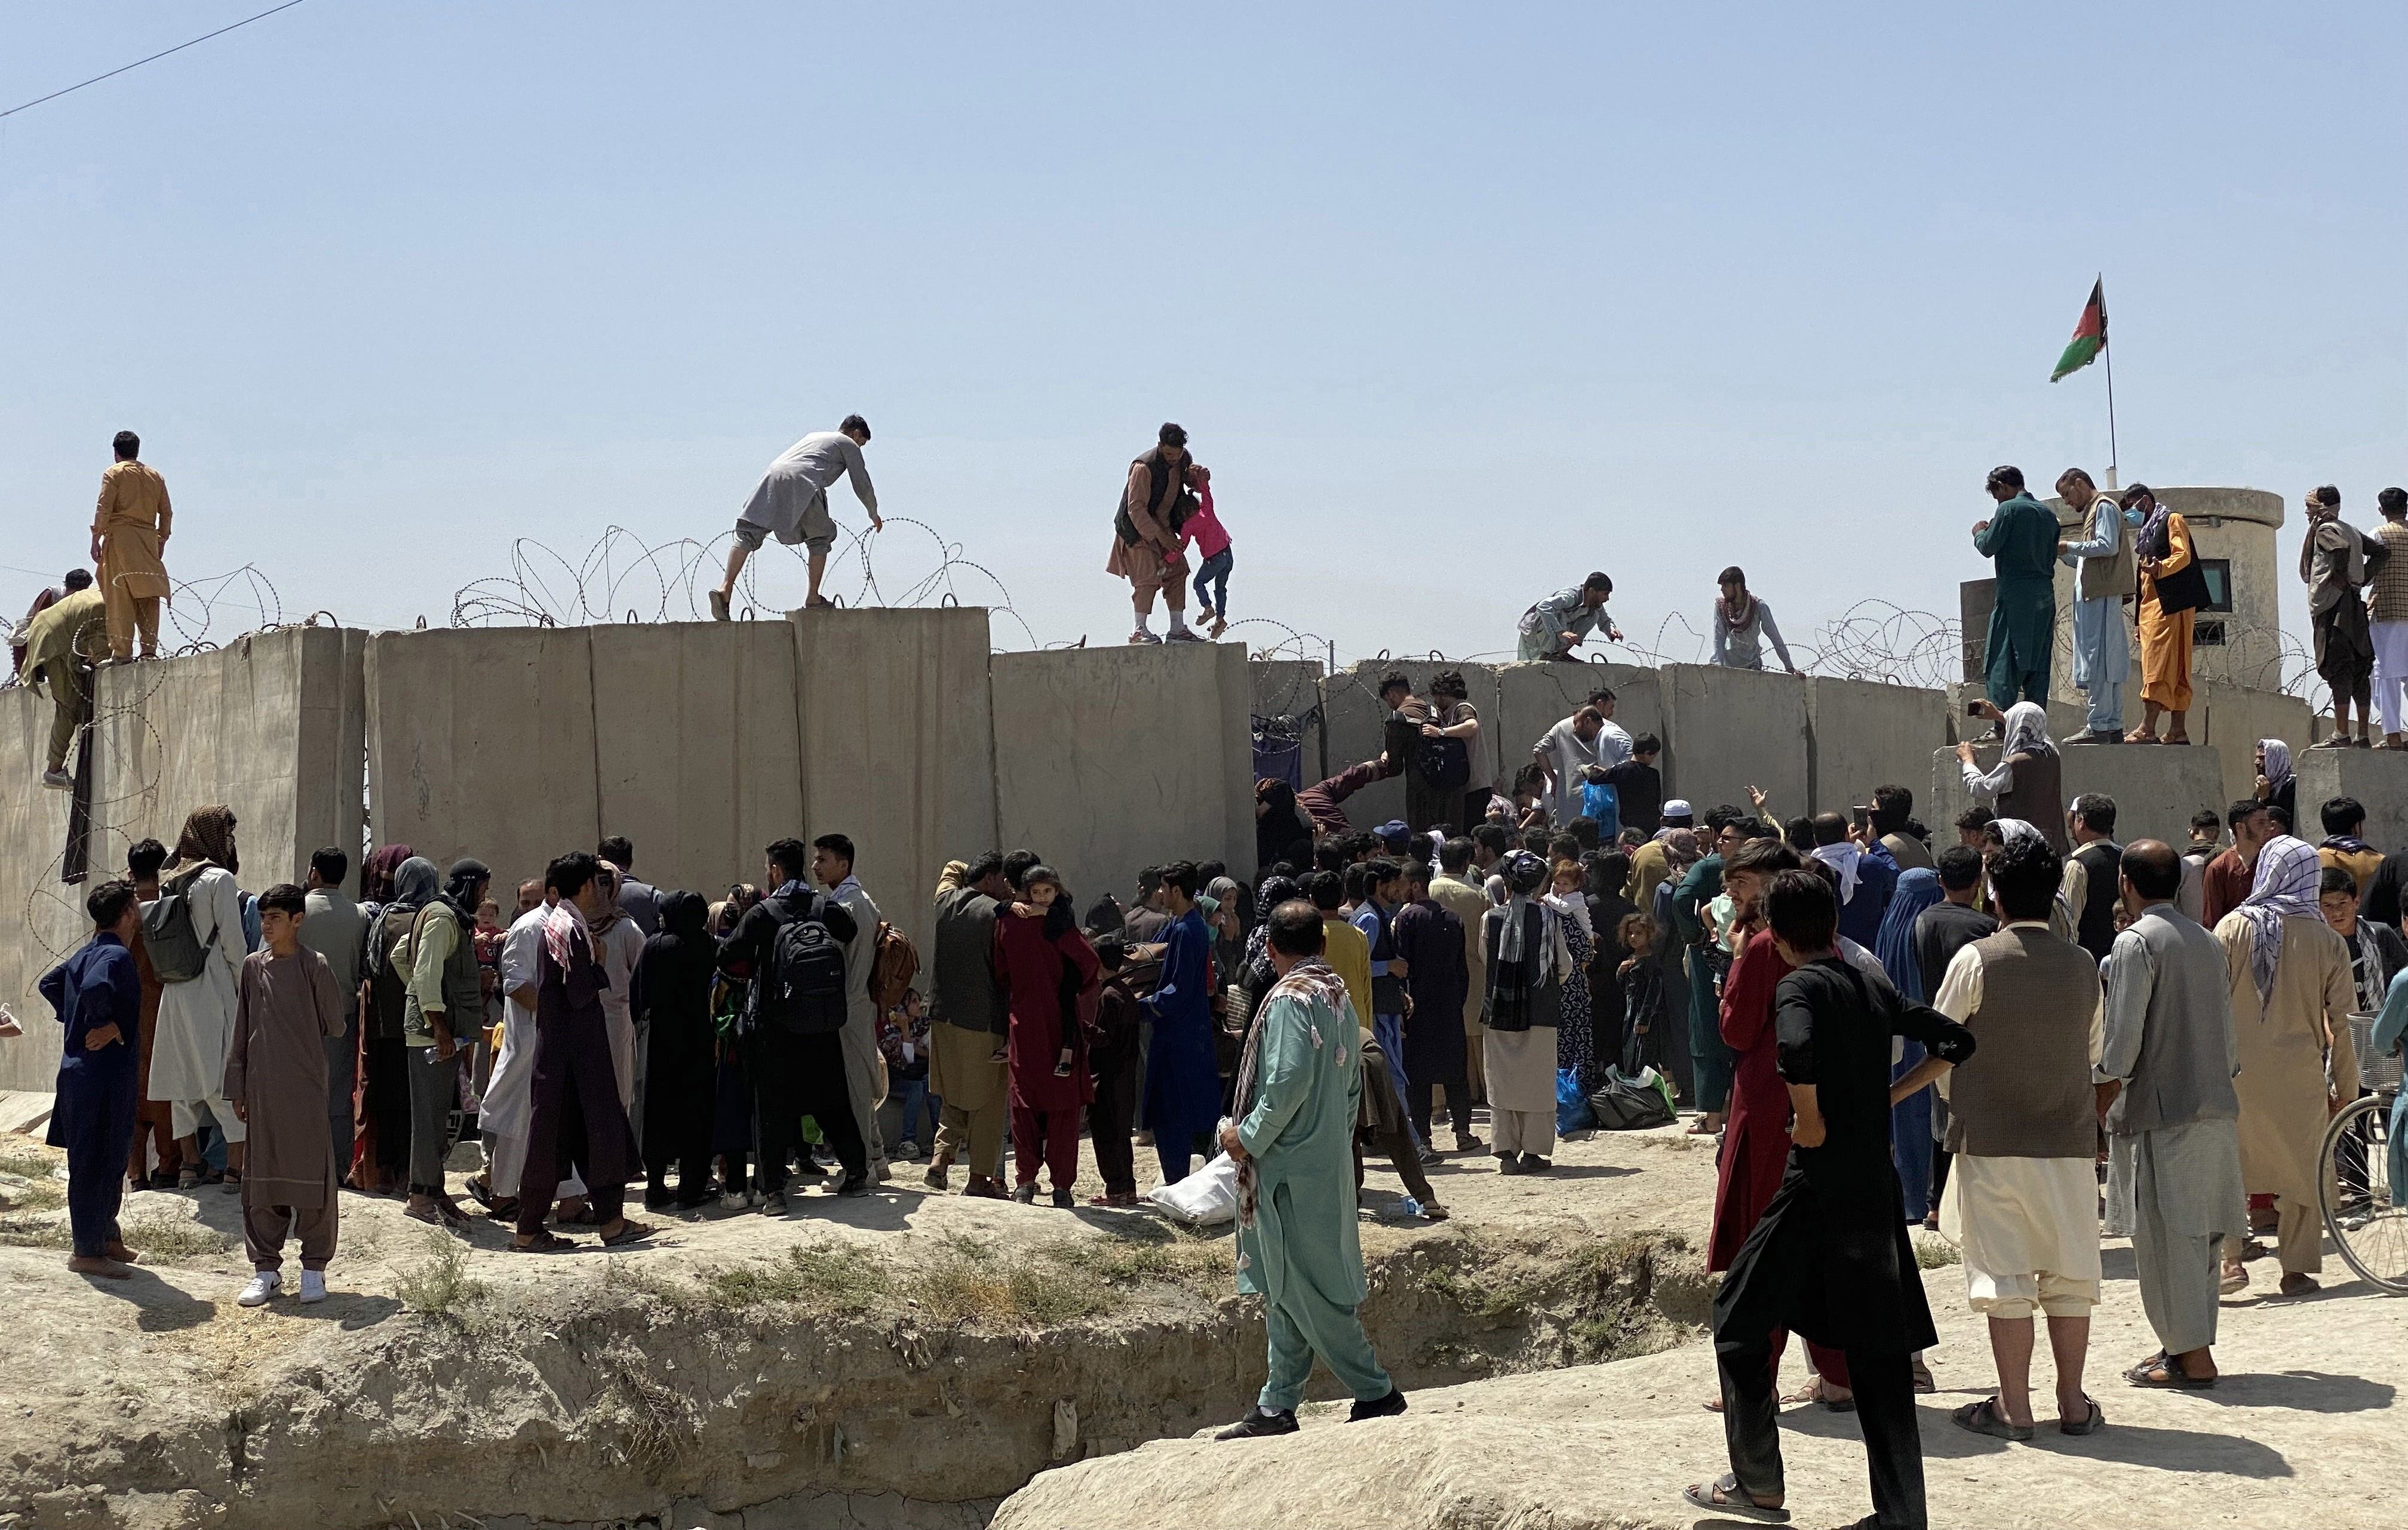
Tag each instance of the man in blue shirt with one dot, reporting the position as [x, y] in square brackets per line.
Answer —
[97, 993]
[1183, 1077]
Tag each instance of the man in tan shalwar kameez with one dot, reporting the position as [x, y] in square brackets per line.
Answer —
[129, 538]
[1145, 534]
[2291, 995]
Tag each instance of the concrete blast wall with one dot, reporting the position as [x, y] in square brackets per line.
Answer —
[1867, 734]
[1358, 723]
[271, 726]
[1732, 729]
[1109, 759]
[2231, 719]
[1533, 698]
[2156, 789]
[898, 746]
[701, 742]
[2378, 779]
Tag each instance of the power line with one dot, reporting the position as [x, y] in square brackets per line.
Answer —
[152, 59]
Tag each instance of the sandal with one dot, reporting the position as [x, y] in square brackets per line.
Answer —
[1984, 1418]
[1923, 1382]
[1724, 1497]
[630, 1231]
[2142, 735]
[506, 1209]
[2232, 1283]
[2091, 1425]
[543, 1243]
[2160, 1371]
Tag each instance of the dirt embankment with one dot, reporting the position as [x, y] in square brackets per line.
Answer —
[905, 1361]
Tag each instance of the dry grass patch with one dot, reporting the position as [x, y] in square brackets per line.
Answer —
[438, 1285]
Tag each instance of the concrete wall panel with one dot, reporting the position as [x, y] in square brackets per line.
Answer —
[897, 745]
[1110, 759]
[1868, 733]
[482, 742]
[698, 758]
[2156, 789]
[43, 916]
[1730, 729]
[270, 725]
[1533, 698]
[1358, 724]
[2378, 779]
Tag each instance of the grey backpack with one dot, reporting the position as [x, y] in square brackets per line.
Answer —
[178, 954]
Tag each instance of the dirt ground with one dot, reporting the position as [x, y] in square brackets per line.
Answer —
[2302, 1433]
[157, 1401]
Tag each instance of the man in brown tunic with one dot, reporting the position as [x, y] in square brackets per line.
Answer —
[1145, 534]
[129, 538]
[286, 1006]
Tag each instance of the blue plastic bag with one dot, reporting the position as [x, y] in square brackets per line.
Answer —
[1572, 1113]
[1601, 804]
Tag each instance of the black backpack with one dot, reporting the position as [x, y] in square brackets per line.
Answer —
[801, 989]
[1444, 762]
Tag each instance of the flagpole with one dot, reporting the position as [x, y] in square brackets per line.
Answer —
[2110, 357]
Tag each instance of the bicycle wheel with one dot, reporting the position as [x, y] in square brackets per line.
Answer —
[2371, 1232]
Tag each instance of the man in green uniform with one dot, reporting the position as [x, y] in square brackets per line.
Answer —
[1299, 1087]
[2021, 542]
[61, 644]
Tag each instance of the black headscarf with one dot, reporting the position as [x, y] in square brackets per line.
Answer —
[675, 972]
[462, 888]
[1281, 826]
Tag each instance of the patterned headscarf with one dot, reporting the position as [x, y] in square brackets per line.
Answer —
[207, 840]
[2026, 730]
[2285, 888]
[375, 873]
[2278, 762]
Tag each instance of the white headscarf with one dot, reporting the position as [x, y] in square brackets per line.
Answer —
[2278, 765]
[1842, 858]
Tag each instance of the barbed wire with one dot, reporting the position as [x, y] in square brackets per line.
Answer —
[909, 563]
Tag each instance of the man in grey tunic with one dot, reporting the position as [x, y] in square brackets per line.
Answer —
[1552, 627]
[2167, 1060]
[791, 502]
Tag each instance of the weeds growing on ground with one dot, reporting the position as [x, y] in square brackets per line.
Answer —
[29, 1162]
[1936, 1253]
[173, 1239]
[439, 1284]
[34, 1233]
[834, 1276]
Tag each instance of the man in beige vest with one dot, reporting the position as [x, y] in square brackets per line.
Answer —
[2105, 575]
[129, 539]
[2023, 1189]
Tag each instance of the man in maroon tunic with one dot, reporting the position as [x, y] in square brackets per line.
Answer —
[1044, 964]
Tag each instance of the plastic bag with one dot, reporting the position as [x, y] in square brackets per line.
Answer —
[1204, 1198]
[1573, 1111]
[1625, 1103]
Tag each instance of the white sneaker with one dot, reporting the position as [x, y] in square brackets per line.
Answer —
[264, 1285]
[314, 1285]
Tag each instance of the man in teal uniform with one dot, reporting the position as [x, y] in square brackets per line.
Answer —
[2021, 542]
[1299, 1087]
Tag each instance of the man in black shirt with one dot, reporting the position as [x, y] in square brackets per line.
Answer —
[1953, 923]
[1830, 1258]
[1639, 786]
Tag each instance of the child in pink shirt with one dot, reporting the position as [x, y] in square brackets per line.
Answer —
[1203, 528]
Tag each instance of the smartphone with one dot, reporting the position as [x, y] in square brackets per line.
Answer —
[1860, 815]
[1972, 708]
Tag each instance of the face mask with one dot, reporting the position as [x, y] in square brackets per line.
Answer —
[2134, 518]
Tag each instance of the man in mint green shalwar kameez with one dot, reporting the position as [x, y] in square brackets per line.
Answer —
[2021, 542]
[1299, 1090]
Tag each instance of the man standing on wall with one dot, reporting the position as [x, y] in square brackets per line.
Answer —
[2104, 575]
[129, 540]
[2021, 542]
[2337, 561]
[2387, 612]
[832, 864]
[1145, 534]
[792, 502]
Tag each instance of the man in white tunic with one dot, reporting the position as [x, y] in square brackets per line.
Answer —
[791, 502]
[196, 1015]
[508, 1099]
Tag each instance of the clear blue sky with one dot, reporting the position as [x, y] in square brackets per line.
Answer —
[1456, 302]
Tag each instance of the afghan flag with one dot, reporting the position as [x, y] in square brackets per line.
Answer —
[2089, 334]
